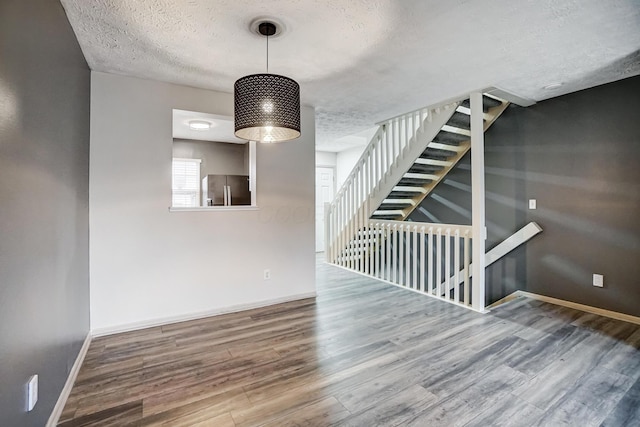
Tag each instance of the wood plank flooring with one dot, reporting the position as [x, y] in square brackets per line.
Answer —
[366, 354]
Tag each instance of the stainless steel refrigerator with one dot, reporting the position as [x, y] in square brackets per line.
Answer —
[226, 190]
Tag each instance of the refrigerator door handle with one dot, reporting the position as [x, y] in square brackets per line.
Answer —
[224, 189]
[229, 195]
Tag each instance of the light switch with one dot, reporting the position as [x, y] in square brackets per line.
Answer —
[532, 203]
[598, 280]
[32, 392]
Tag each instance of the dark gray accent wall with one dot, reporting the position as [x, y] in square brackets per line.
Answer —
[579, 156]
[44, 194]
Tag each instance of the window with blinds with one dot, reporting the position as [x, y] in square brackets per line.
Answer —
[185, 187]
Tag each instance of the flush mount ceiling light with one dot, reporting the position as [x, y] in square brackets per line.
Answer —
[266, 106]
[199, 125]
[552, 86]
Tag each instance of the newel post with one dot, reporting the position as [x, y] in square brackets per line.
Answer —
[328, 235]
[477, 202]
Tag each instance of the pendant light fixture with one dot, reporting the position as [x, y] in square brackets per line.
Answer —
[266, 106]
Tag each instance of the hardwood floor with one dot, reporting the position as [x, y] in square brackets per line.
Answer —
[366, 354]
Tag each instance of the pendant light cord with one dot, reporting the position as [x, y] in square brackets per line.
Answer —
[267, 53]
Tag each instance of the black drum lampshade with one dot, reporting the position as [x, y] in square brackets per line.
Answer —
[266, 108]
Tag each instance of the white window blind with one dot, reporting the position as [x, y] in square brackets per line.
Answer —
[185, 183]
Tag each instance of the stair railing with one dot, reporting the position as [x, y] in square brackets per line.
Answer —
[433, 259]
[349, 212]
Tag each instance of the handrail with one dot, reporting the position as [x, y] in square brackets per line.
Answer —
[434, 225]
[382, 131]
[360, 161]
[487, 91]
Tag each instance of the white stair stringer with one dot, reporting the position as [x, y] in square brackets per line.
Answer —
[419, 179]
[428, 130]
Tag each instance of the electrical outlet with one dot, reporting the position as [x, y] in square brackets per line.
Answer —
[532, 203]
[598, 280]
[32, 392]
[267, 274]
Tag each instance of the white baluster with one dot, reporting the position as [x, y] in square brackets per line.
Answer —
[375, 249]
[380, 252]
[415, 257]
[422, 260]
[370, 173]
[341, 232]
[456, 267]
[358, 225]
[407, 266]
[407, 257]
[343, 215]
[338, 239]
[405, 122]
[400, 257]
[378, 161]
[430, 265]
[394, 250]
[398, 145]
[350, 203]
[345, 225]
[390, 143]
[367, 245]
[382, 155]
[447, 265]
[389, 263]
[467, 253]
[439, 263]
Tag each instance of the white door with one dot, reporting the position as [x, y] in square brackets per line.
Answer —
[324, 194]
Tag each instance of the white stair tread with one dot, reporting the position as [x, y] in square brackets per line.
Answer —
[389, 212]
[399, 201]
[408, 189]
[440, 146]
[467, 111]
[459, 131]
[413, 175]
[433, 162]
[464, 110]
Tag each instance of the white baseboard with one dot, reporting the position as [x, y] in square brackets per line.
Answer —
[68, 385]
[576, 306]
[110, 330]
[510, 297]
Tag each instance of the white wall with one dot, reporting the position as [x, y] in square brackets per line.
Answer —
[345, 161]
[150, 265]
[325, 158]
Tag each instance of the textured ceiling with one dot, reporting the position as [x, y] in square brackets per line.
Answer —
[221, 129]
[362, 61]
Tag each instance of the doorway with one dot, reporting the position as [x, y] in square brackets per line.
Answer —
[325, 189]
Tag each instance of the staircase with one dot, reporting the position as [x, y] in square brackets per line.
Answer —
[393, 149]
[439, 156]
[405, 160]
[408, 156]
